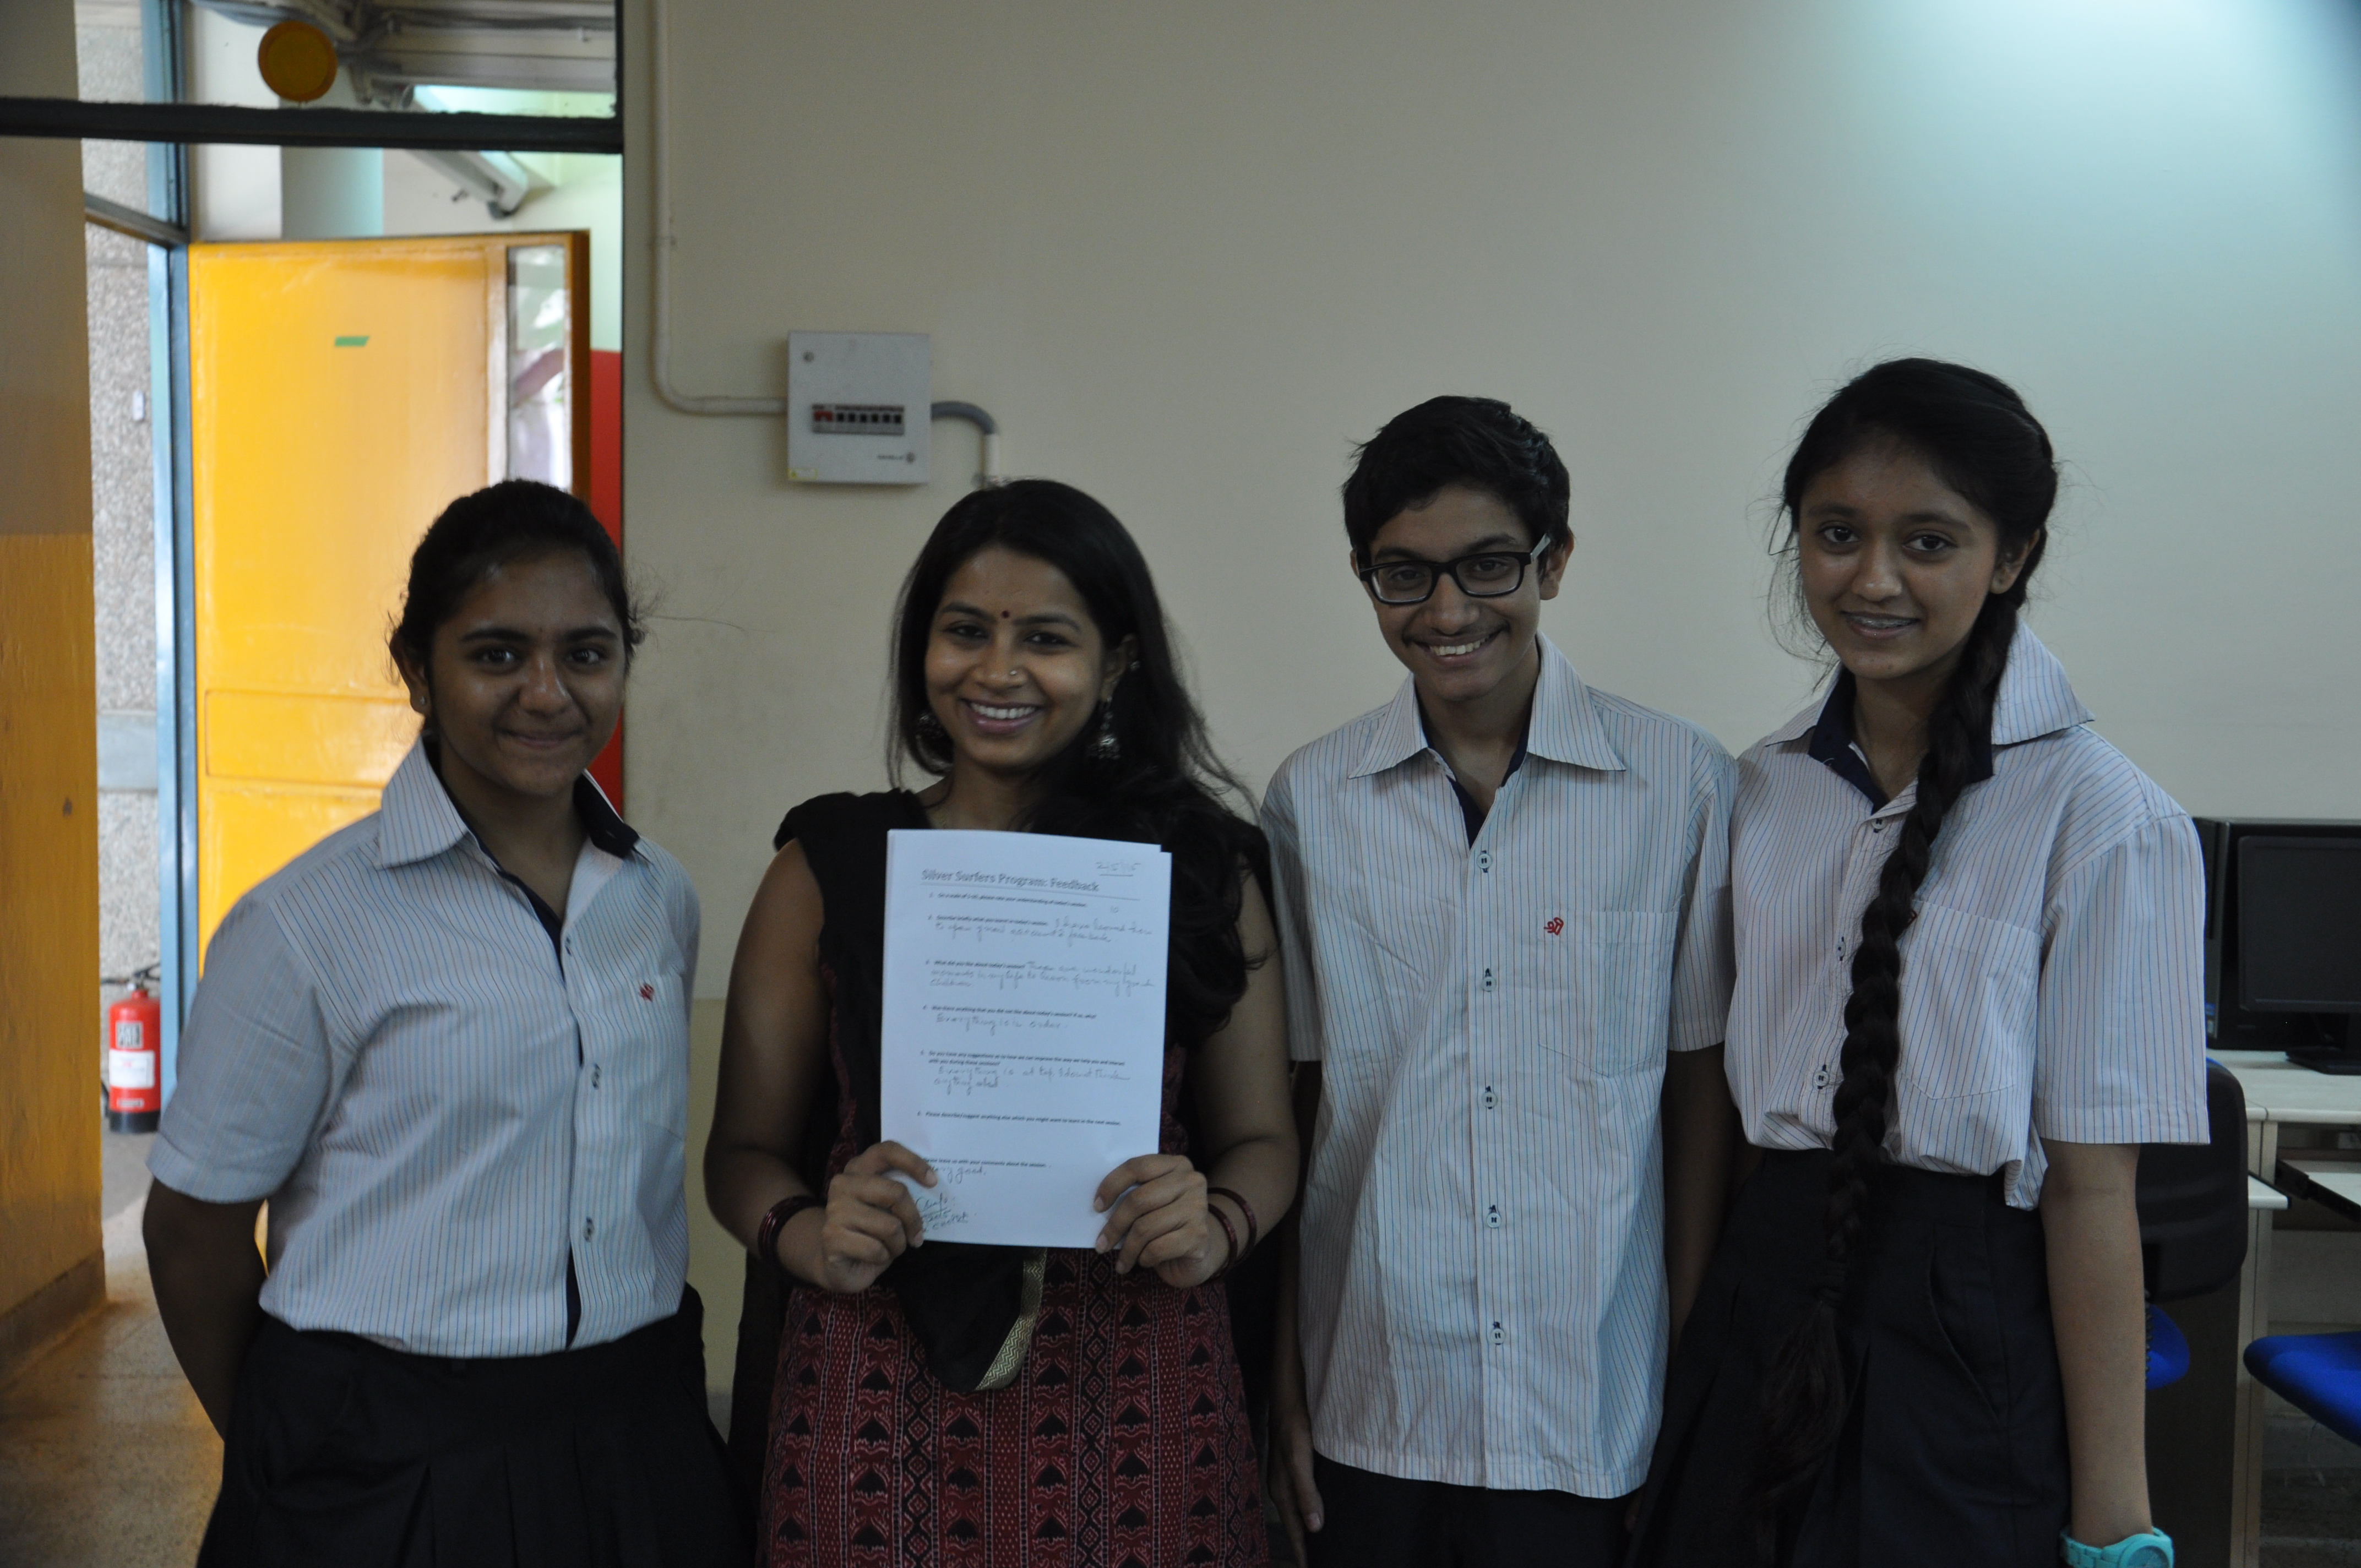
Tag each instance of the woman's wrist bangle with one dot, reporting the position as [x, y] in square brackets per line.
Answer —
[1254, 1226]
[774, 1220]
[1230, 1231]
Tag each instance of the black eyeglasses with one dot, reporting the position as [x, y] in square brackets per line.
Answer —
[1484, 577]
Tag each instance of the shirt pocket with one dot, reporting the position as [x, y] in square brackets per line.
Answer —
[653, 1059]
[1608, 988]
[1969, 994]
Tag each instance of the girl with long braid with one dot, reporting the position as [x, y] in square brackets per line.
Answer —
[1968, 964]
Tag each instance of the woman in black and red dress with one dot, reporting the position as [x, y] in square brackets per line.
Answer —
[976, 1406]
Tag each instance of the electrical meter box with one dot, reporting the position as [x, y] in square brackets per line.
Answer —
[858, 408]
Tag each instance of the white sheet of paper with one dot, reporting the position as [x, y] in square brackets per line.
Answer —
[1023, 1024]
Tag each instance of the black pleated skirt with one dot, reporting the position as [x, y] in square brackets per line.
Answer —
[1954, 1444]
[344, 1451]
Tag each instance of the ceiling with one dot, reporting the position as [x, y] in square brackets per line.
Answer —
[390, 48]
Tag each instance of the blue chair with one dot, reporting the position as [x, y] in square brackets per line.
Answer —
[2192, 1220]
[2167, 1350]
[2318, 1374]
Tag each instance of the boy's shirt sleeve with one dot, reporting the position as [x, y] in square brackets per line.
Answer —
[1704, 962]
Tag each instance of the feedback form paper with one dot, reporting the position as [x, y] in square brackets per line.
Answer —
[1023, 1024]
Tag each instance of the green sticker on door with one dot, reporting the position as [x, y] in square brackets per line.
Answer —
[360, 342]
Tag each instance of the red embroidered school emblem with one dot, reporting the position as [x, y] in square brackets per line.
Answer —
[1556, 923]
[647, 994]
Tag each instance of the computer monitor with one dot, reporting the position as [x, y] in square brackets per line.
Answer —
[2283, 938]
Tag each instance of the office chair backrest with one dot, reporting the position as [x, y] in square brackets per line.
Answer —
[2193, 1200]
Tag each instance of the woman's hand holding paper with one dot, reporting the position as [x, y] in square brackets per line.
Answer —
[1161, 1222]
[871, 1219]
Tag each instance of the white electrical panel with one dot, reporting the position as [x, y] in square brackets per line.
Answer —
[858, 407]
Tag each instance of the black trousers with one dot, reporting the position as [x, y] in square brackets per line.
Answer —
[1383, 1521]
[1953, 1450]
[343, 1452]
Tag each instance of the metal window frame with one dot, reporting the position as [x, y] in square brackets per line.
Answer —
[191, 123]
[166, 230]
[171, 128]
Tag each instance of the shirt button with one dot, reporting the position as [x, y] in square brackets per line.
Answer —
[1492, 1217]
[1820, 1078]
[589, 1225]
[1492, 1101]
[593, 1075]
[1483, 859]
[1488, 980]
[1499, 1335]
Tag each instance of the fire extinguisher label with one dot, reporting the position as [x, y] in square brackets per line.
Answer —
[128, 1034]
[131, 1070]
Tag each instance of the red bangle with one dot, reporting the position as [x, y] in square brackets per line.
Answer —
[774, 1220]
[1254, 1226]
[1230, 1231]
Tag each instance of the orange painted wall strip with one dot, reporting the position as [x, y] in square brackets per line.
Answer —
[48, 719]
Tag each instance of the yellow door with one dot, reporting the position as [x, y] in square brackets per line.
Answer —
[343, 393]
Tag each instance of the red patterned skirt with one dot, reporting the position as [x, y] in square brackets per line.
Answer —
[1123, 1442]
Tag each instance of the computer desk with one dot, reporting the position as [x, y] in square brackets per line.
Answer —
[2279, 1094]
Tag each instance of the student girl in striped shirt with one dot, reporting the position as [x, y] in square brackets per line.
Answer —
[449, 1044]
[1967, 939]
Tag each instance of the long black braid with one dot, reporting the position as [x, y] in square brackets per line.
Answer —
[1976, 434]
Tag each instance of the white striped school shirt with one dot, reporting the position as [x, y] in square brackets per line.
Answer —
[1483, 1281]
[2052, 982]
[386, 1047]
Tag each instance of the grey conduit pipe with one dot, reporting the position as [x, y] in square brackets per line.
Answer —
[988, 474]
[988, 469]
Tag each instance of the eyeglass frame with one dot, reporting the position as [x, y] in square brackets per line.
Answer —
[1436, 570]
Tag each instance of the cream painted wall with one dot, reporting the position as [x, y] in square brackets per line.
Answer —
[233, 190]
[1188, 253]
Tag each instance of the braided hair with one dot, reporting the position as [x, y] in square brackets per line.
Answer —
[1975, 432]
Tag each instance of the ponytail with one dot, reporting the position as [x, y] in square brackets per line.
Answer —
[1978, 434]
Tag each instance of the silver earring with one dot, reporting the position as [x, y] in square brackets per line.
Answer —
[1105, 747]
[927, 725]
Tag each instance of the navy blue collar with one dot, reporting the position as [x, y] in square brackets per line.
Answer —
[419, 819]
[606, 827]
[1832, 744]
[1469, 811]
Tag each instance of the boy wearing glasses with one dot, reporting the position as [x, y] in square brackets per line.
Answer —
[1504, 903]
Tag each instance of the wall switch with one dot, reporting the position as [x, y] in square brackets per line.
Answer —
[858, 407]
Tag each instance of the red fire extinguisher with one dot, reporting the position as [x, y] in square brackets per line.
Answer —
[134, 1089]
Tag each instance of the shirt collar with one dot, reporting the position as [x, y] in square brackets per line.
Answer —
[418, 820]
[1565, 724]
[2035, 700]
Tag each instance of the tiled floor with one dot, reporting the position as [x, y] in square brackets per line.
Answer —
[106, 1458]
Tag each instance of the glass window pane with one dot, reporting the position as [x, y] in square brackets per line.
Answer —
[541, 383]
